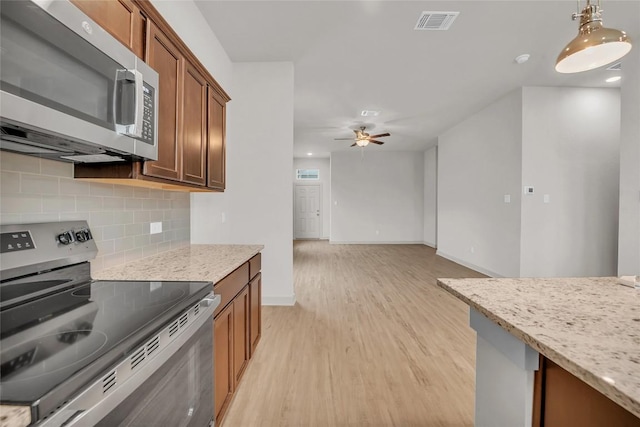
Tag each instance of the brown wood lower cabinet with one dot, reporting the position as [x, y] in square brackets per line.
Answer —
[255, 297]
[223, 359]
[237, 326]
[240, 333]
[563, 400]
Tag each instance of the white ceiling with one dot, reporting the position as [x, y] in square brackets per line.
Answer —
[355, 55]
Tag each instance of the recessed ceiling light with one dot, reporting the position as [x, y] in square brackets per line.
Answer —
[521, 59]
[309, 154]
[613, 79]
[370, 113]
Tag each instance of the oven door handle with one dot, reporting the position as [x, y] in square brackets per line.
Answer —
[210, 299]
[96, 401]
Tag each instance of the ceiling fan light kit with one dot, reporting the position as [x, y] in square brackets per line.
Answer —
[594, 46]
[362, 138]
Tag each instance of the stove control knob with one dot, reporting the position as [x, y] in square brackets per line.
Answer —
[83, 235]
[66, 238]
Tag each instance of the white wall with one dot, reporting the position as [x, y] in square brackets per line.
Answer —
[323, 164]
[479, 162]
[570, 151]
[258, 201]
[629, 231]
[187, 21]
[430, 196]
[377, 198]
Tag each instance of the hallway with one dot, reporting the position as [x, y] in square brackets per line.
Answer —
[371, 341]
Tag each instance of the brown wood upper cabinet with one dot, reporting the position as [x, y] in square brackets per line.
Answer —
[121, 18]
[191, 107]
[216, 135]
[164, 57]
[194, 127]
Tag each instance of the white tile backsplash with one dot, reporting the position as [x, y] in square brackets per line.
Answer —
[39, 190]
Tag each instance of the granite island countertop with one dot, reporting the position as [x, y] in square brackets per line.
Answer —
[588, 326]
[193, 262]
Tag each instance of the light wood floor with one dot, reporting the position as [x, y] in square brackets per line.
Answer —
[371, 341]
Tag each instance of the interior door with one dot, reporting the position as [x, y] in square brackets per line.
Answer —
[307, 212]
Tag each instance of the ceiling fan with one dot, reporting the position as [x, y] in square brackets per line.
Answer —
[363, 139]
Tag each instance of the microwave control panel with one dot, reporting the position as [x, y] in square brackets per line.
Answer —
[149, 116]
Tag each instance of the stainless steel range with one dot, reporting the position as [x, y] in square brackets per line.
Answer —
[80, 352]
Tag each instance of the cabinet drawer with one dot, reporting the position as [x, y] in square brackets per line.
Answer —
[255, 265]
[229, 287]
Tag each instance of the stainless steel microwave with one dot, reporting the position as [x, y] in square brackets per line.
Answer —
[70, 90]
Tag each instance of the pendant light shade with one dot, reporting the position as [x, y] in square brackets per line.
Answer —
[594, 46]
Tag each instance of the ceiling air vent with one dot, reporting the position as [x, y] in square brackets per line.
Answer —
[615, 67]
[436, 20]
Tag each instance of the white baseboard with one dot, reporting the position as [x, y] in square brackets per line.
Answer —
[430, 244]
[279, 300]
[468, 264]
[335, 242]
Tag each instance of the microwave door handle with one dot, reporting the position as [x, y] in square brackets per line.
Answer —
[139, 105]
[129, 124]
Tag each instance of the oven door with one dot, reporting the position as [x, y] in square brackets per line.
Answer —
[178, 394]
[168, 381]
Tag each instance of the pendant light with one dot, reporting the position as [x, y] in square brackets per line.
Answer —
[594, 46]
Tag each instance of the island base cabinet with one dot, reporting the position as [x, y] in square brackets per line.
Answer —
[566, 401]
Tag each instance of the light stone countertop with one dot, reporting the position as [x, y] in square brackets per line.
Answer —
[191, 263]
[588, 326]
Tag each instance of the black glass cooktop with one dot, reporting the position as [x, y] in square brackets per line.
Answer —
[64, 340]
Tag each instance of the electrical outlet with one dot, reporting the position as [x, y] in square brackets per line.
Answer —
[155, 228]
[507, 198]
[547, 198]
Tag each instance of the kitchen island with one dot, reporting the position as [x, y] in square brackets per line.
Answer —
[235, 273]
[588, 328]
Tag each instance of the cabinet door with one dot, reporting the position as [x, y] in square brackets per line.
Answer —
[240, 333]
[165, 58]
[255, 327]
[216, 135]
[194, 126]
[121, 18]
[568, 401]
[223, 360]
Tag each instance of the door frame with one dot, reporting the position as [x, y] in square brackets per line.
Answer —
[320, 217]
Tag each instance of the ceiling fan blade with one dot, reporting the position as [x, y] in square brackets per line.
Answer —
[376, 142]
[343, 139]
[353, 145]
[380, 135]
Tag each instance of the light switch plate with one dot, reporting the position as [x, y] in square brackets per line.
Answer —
[156, 227]
[528, 189]
[507, 198]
